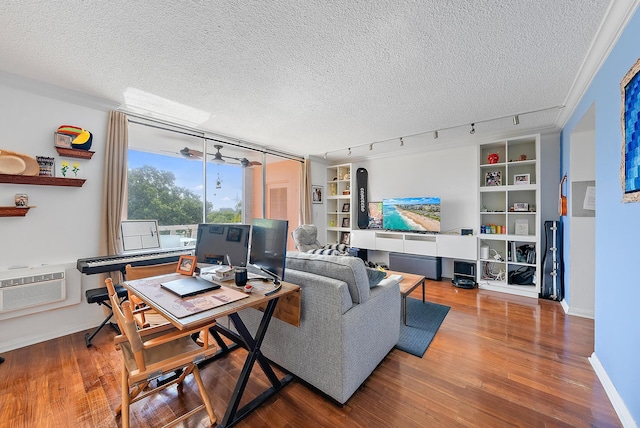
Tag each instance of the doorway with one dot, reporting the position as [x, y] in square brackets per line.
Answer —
[582, 224]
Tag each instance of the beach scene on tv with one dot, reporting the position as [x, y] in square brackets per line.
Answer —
[411, 214]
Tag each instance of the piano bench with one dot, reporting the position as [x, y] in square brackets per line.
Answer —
[101, 297]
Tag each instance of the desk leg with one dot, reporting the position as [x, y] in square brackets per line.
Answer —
[234, 415]
[423, 281]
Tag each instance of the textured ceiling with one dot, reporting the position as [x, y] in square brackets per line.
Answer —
[309, 76]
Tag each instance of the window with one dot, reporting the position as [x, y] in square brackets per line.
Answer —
[167, 182]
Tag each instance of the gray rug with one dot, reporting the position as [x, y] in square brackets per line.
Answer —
[423, 321]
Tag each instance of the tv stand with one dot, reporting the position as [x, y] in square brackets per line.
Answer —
[426, 244]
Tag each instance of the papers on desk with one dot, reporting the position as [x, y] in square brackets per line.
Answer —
[182, 307]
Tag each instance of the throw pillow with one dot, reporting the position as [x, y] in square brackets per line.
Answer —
[375, 276]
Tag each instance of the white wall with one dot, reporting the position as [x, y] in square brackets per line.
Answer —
[449, 173]
[63, 226]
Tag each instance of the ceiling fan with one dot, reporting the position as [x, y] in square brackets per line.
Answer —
[217, 156]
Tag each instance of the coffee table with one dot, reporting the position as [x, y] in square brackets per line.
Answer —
[409, 283]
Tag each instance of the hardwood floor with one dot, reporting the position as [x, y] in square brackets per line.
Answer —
[497, 361]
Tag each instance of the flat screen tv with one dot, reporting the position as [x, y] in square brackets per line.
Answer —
[216, 241]
[269, 246]
[411, 214]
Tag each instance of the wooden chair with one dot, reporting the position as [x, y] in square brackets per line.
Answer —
[147, 317]
[151, 352]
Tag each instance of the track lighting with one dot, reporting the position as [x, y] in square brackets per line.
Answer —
[436, 132]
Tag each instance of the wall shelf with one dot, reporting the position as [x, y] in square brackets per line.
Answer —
[14, 211]
[41, 180]
[74, 153]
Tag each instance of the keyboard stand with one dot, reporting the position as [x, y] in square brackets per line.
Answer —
[101, 297]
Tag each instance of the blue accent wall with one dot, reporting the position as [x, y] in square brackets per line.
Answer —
[617, 282]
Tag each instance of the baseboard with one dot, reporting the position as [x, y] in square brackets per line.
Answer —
[21, 342]
[612, 393]
[576, 312]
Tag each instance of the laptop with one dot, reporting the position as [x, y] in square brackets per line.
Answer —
[189, 286]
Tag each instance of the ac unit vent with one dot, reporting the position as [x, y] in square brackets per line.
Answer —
[29, 291]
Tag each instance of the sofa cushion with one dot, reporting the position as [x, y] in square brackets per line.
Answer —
[348, 269]
[375, 276]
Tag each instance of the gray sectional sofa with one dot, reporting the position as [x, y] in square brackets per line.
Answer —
[346, 327]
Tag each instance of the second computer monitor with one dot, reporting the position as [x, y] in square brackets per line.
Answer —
[216, 241]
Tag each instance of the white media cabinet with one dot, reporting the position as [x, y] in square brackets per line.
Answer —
[434, 245]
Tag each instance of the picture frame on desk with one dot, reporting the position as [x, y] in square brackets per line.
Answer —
[186, 265]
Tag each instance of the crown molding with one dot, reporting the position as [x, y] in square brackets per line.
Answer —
[56, 92]
[613, 24]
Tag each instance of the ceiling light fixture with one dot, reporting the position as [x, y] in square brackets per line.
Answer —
[349, 151]
[435, 133]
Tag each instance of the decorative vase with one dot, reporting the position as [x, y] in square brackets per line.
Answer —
[493, 158]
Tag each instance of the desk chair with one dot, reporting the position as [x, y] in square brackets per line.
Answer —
[151, 352]
[147, 317]
[101, 297]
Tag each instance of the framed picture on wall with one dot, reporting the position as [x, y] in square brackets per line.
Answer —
[630, 165]
[316, 194]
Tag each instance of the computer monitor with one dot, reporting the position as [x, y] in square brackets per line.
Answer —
[216, 241]
[269, 245]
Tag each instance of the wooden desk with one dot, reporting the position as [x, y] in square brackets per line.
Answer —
[148, 289]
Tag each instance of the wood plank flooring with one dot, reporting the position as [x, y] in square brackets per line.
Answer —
[497, 361]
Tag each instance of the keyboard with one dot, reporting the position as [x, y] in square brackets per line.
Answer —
[100, 264]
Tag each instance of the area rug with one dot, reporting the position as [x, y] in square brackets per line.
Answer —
[423, 321]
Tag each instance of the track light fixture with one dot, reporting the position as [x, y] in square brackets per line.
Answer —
[436, 133]
[325, 154]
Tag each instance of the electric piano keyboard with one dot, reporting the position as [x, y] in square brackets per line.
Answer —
[100, 264]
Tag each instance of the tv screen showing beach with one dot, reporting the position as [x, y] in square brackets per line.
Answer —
[411, 214]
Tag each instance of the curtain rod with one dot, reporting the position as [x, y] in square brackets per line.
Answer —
[193, 132]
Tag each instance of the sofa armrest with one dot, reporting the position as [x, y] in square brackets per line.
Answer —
[321, 292]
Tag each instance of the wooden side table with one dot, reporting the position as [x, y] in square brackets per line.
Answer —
[409, 283]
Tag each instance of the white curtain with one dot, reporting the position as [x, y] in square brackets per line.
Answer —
[114, 186]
